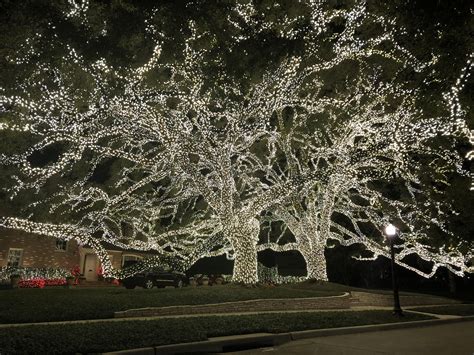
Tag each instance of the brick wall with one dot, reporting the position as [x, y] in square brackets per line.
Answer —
[386, 300]
[297, 304]
[115, 255]
[38, 251]
[345, 301]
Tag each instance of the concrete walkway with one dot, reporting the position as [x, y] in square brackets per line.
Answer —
[444, 339]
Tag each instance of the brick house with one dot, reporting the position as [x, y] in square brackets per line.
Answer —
[21, 249]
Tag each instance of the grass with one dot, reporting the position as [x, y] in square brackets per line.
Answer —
[57, 304]
[455, 310]
[117, 335]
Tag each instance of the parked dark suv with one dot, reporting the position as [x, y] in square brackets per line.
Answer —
[155, 277]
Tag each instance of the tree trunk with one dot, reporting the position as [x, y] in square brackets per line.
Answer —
[245, 263]
[452, 283]
[315, 263]
[244, 238]
[314, 253]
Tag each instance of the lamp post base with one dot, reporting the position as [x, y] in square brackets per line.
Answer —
[398, 312]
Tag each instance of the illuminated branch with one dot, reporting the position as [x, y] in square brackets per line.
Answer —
[194, 159]
[362, 158]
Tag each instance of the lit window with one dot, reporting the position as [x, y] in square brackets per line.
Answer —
[14, 257]
[61, 244]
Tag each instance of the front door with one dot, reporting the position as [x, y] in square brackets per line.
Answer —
[90, 267]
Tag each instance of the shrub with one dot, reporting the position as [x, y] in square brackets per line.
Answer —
[33, 283]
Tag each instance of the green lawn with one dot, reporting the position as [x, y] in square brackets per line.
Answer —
[455, 310]
[55, 304]
[117, 335]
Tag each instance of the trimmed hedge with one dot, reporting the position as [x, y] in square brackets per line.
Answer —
[119, 335]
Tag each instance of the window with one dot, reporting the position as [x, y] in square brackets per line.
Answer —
[61, 244]
[127, 260]
[14, 257]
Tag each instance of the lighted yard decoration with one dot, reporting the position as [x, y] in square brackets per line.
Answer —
[197, 154]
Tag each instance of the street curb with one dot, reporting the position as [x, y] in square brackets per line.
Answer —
[228, 343]
[248, 341]
[303, 334]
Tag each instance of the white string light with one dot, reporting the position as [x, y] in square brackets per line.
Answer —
[202, 161]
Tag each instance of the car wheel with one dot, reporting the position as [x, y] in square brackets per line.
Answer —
[178, 284]
[148, 283]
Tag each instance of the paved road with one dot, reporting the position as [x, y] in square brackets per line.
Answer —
[455, 339]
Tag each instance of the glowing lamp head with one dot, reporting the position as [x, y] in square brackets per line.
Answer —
[390, 230]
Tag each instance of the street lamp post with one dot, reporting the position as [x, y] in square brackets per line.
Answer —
[391, 232]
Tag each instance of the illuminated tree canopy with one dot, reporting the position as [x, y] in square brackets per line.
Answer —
[198, 148]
